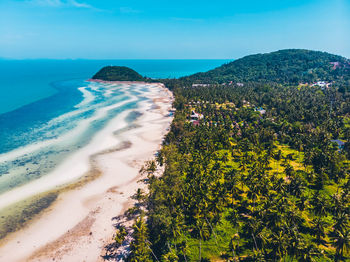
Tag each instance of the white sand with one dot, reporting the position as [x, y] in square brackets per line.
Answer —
[79, 224]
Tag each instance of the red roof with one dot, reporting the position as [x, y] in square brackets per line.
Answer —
[196, 123]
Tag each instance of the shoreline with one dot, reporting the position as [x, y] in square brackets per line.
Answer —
[122, 82]
[59, 234]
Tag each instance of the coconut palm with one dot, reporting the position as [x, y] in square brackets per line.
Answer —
[341, 241]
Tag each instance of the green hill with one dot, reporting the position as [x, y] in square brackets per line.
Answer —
[118, 73]
[285, 66]
[251, 172]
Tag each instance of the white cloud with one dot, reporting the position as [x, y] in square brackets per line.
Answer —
[53, 3]
[80, 5]
[61, 3]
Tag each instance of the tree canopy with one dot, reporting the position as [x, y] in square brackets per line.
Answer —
[118, 73]
[258, 177]
[289, 66]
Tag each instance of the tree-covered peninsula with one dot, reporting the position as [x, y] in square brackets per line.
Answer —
[291, 66]
[118, 73]
[255, 167]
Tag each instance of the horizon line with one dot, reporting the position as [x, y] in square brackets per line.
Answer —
[99, 59]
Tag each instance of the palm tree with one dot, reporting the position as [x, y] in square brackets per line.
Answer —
[318, 226]
[120, 235]
[139, 248]
[341, 221]
[279, 242]
[309, 253]
[319, 204]
[302, 202]
[201, 231]
[278, 157]
[234, 245]
[139, 196]
[183, 249]
[341, 243]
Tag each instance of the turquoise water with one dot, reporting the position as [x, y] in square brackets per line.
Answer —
[23, 82]
[49, 110]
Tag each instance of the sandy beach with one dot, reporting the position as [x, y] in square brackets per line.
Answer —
[79, 224]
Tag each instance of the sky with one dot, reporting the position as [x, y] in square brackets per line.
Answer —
[169, 29]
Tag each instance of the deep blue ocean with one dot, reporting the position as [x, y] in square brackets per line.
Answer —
[48, 111]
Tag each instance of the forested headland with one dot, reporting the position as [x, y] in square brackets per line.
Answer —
[118, 73]
[256, 165]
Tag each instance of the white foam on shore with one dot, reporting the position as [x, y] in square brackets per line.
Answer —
[78, 162]
[81, 127]
[74, 113]
[94, 201]
[74, 167]
[88, 97]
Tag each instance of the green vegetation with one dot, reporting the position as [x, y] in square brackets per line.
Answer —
[291, 66]
[118, 73]
[241, 184]
[140, 251]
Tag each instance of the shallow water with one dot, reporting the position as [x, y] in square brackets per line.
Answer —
[57, 123]
[26, 81]
[29, 152]
[60, 152]
[45, 118]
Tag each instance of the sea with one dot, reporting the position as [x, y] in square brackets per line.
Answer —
[48, 111]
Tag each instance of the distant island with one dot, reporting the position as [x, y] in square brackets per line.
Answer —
[118, 73]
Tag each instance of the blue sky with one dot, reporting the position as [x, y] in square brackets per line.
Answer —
[155, 29]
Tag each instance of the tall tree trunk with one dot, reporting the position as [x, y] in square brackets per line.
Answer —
[184, 251]
[234, 255]
[212, 230]
[152, 252]
[336, 256]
